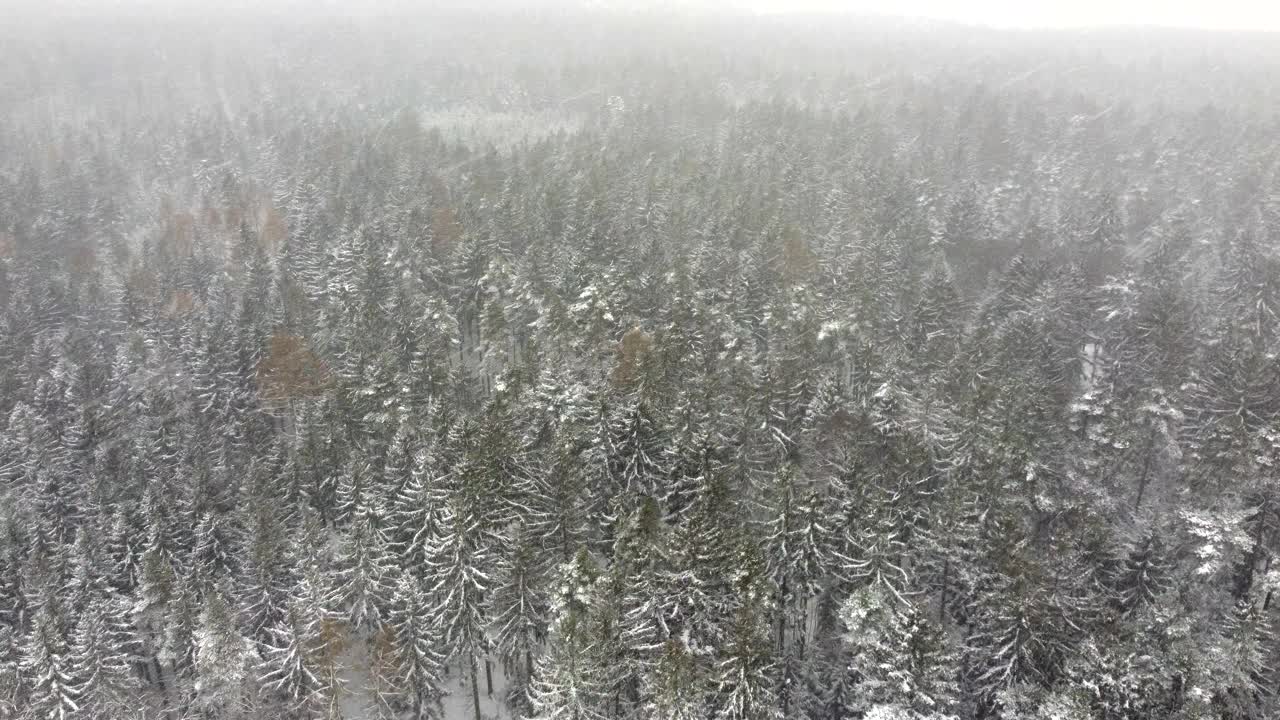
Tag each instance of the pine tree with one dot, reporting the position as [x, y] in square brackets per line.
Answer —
[105, 682]
[294, 661]
[567, 507]
[458, 561]
[675, 689]
[269, 571]
[899, 660]
[47, 667]
[639, 562]
[568, 683]
[520, 614]
[1145, 575]
[314, 601]
[417, 641]
[796, 553]
[10, 680]
[1236, 674]
[634, 452]
[87, 579]
[696, 597]
[158, 591]
[418, 508]
[211, 558]
[362, 580]
[746, 690]
[354, 490]
[224, 660]
[177, 650]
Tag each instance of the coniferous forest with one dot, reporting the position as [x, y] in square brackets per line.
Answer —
[605, 366]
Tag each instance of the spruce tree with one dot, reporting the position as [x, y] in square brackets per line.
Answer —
[47, 667]
[224, 661]
[568, 683]
[294, 659]
[362, 581]
[520, 614]
[458, 572]
[106, 685]
[417, 646]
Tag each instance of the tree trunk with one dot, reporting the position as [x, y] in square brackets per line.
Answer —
[475, 684]
[942, 599]
[802, 637]
[782, 615]
[1146, 467]
[784, 692]
[155, 663]
[488, 677]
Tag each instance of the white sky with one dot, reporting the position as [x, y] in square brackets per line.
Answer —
[1210, 14]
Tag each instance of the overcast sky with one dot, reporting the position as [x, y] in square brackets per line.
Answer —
[1211, 14]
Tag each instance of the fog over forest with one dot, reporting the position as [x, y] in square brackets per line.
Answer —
[549, 362]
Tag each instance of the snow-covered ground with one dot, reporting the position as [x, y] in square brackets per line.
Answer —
[357, 699]
[457, 705]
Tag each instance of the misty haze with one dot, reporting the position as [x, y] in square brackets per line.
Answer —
[705, 362]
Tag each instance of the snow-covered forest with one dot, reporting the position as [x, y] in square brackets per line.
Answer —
[598, 366]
